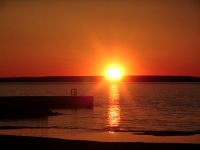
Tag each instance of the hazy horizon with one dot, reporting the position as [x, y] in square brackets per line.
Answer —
[98, 76]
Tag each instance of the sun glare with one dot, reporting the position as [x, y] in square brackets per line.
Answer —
[114, 73]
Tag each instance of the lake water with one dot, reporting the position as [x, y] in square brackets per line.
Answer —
[117, 106]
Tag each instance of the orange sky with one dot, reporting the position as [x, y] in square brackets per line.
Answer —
[82, 37]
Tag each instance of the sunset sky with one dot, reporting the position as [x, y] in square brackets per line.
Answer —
[82, 37]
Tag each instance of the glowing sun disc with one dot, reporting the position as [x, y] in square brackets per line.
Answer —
[114, 73]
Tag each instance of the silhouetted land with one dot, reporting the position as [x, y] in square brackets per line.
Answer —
[102, 78]
[24, 143]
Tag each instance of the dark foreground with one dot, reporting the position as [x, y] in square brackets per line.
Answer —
[22, 143]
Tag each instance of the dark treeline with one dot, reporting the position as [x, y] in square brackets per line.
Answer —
[102, 78]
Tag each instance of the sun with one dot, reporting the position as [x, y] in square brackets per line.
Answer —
[114, 73]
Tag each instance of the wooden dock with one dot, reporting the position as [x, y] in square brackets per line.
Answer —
[11, 106]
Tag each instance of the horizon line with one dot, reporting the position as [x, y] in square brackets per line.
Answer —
[46, 76]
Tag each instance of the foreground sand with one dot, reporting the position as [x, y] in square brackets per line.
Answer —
[25, 142]
[105, 136]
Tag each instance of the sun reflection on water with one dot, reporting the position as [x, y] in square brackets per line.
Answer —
[114, 107]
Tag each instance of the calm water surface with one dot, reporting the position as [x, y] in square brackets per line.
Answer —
[118, 106]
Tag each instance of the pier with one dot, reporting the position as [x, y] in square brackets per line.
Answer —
[34, 106]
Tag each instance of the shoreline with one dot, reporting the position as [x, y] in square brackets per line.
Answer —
[137, 132]
[28, 142]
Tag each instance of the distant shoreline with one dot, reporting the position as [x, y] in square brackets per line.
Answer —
[102, 78]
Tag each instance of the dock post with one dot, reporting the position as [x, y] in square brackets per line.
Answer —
[73, 92]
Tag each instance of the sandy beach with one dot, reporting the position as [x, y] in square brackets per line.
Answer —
[79, 139]
[27, 142]
[106, 136]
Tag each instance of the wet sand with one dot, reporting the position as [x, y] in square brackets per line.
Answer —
[104, 136]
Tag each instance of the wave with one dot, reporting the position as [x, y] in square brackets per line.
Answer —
[138, 132]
